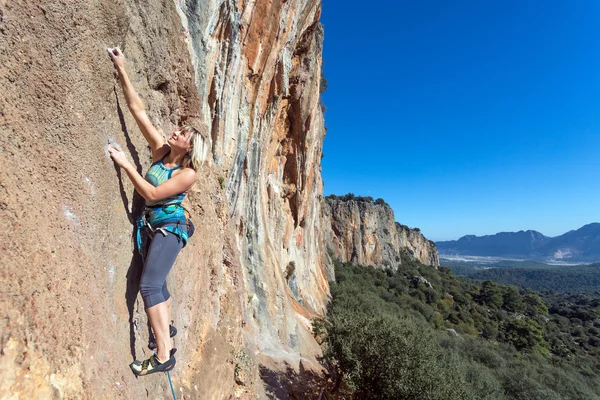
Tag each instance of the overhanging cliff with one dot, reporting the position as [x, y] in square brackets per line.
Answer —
[258, 71]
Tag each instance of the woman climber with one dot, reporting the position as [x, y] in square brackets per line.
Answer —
[164, 224]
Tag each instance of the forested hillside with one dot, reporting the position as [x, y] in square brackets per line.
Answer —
[572, 279]
[532, 275]
[423, 333]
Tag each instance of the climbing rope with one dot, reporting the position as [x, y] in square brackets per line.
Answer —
[171, 383]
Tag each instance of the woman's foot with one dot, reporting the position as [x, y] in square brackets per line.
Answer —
[153, 365]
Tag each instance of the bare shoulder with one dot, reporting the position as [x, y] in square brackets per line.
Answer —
[186, 174]
[160, 152]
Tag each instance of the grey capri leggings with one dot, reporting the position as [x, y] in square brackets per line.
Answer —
[160, 257]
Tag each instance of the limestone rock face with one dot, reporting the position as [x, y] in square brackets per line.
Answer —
[254, 273]
[364, 232]
[258, 71]
[418, 246]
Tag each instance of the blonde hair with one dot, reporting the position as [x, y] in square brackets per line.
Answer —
[196, 157]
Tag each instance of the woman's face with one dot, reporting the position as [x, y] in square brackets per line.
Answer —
[180, 139]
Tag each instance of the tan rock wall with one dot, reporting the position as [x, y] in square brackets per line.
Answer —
[366, 233]
[418, 246]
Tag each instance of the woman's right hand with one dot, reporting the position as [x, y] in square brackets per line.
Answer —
[118, 156]
[117, 58]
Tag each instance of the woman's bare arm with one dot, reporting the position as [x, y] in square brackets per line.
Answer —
[135, 104]
[173, 186]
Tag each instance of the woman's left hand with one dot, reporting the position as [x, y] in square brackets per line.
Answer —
[118, 156]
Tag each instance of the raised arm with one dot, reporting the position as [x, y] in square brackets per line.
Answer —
[135, 104]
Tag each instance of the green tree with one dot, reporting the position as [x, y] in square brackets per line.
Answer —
[525, 334]
[534, 305]
[511, 299]
[490, 294]
[490, 331]
[382, 357]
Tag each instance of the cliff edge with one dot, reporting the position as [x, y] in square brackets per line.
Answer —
[363, 231]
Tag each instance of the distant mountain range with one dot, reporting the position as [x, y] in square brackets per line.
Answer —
[581, 245]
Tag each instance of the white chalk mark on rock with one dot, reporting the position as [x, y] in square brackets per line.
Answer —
[111, 143]
[111, 274]
[90, 185]
[69, 214]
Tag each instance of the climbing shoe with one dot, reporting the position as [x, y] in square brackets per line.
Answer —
[172, 332]
[152, 365]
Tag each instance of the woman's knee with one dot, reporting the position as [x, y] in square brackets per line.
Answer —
[152, 294]
[165, 292]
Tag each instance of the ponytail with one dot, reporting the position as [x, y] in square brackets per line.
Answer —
[196, 157]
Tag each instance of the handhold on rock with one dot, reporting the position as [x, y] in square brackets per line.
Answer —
[111, 143]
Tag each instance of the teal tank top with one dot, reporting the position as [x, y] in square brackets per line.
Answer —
[166, 210]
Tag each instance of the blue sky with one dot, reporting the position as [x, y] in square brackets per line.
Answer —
[467, 117]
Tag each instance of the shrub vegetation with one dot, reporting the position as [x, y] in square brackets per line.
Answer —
[421, 333]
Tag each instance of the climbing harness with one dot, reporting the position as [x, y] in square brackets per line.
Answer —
[166, 215]
[159, 219]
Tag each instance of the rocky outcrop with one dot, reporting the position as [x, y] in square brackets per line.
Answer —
[364, 232]
[253, 276]
[417, 245]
